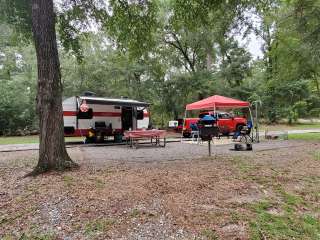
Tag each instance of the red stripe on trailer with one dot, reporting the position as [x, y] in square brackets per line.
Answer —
[78, 133]
[84, 132]
[95, 114]
[69, 113]
[99, 114]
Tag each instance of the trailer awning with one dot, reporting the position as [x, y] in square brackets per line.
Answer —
[215, 102]
[114, 101]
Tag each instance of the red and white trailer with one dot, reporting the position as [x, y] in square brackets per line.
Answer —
[106, 116]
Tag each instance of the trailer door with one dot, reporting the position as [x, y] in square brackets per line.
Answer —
[126, 118]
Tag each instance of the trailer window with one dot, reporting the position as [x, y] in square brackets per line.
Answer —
[85, 115]
[139, 114]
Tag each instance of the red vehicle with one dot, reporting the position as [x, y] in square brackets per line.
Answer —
[226, 122]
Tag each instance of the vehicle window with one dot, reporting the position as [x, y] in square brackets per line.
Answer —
[201, 115]
[224, 116]
[85, 115]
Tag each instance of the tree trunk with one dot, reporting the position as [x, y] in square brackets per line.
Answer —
[52, 152]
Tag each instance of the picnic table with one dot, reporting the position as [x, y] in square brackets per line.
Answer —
[155, 136]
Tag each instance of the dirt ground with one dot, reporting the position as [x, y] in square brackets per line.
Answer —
[177, 192]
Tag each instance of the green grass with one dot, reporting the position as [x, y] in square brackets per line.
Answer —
[33, 236]
[31, 139]
[317, 155]
[296, 126]
[68, 180]
[286, 223]
[209, 234]
[98, 225]
[286, 215]
[305, 136]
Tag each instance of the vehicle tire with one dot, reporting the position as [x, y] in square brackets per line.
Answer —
[249, 147]
[238, 147]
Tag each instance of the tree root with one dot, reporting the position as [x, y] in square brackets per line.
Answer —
[67, 165]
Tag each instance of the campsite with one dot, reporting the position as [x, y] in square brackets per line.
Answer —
[176, 192]
[159, 119]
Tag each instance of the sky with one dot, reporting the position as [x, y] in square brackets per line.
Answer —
[254, 45]
[252, 42]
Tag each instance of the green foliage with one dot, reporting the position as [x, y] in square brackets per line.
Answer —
[133, 25]
[17, 14]
[168, 53]
[235, 65]
[17, 90]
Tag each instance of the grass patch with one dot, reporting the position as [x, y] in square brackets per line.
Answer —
[32, 139]
[286, 224]
[135, 213]
[34, 236]
[317, 155]
[209, 234]
[305, 136]
[243, 164]
[68, 180]
[98, 225]
[99, 183]
[296, 126]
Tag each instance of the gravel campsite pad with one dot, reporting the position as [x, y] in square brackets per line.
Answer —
[177, 192]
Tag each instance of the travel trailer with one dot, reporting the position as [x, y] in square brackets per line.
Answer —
[84, 115]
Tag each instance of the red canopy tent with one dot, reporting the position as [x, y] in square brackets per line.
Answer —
[219, 102]
[215, 102]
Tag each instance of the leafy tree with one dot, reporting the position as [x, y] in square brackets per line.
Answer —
[41, 16]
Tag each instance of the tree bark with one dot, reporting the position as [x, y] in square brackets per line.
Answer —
[52, 152]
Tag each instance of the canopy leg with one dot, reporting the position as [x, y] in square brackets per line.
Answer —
[251, 118]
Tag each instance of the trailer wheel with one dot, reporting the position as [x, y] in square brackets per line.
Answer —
[100, 137]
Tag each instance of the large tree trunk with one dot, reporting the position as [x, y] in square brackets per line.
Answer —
[52, 153]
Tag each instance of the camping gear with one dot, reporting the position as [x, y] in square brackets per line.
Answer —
[208, 129]
[243, 140]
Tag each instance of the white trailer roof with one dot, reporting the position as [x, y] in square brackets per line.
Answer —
[114, 101]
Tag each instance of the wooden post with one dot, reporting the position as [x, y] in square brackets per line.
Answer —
[209, 147]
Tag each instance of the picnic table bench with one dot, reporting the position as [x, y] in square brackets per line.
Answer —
[155, 136]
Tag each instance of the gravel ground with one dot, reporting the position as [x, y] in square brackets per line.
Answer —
[176, 192]
[103, 155]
